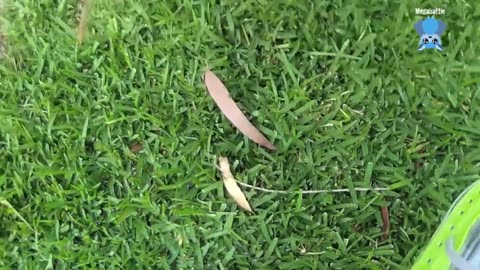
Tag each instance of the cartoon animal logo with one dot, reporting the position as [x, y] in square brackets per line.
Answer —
[429, 31]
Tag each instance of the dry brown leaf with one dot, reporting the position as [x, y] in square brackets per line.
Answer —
[231, 184]
[229, 108]
[136, 147]
[82, 23]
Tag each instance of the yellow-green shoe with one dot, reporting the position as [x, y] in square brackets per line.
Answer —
[456, 243]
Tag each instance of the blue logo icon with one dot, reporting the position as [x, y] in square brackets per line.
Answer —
[429, 31]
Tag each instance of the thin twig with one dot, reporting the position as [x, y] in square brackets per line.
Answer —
[306, 191]
[386, 222]
[310, 191]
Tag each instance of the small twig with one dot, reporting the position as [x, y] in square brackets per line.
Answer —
[341, 190]
[303, 251]
[314, 253]
[310, 191]
[386, 222]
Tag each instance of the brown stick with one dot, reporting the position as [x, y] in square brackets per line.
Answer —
[386, 222]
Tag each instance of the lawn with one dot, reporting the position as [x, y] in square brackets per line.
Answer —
[109, 148]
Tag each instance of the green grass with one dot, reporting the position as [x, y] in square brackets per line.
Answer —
[337, 86]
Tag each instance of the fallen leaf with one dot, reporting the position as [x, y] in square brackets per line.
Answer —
[82, 24]
[386, 222]
[136, 147]
[229, 108]
[231, 184]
